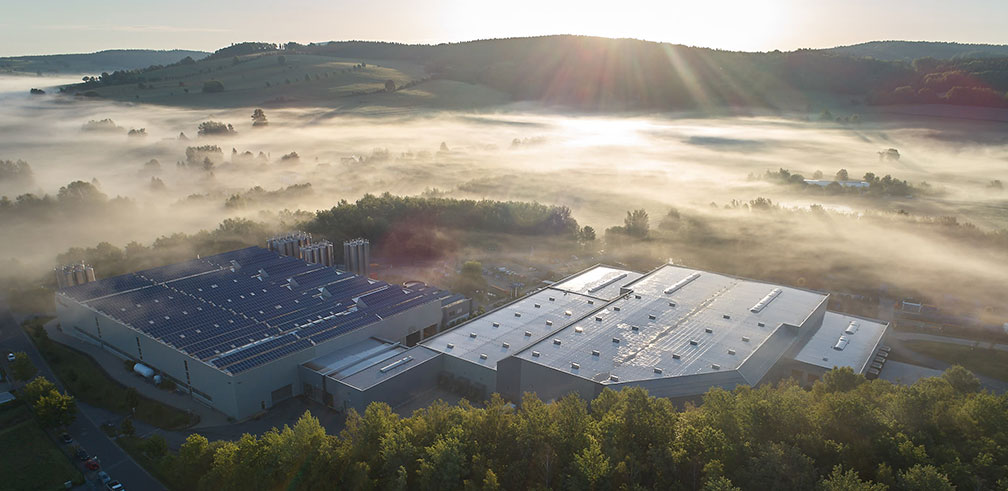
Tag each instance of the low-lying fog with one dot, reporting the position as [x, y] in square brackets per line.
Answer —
[598, 166]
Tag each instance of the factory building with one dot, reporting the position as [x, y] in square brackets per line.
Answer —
[289, 244]
[675, 331]
[74, 274]
[235, 329]
[319, 253]
[357, 256]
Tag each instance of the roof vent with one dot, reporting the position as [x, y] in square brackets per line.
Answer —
[537, 306]
[496, 324]
[765, 301]
[528, 333]
[637, 297]
[616, 309]
[745, 339]
[506, 345]
[517, 314]
[671, 304]
[731, 352]
[549, 323]
[761, 324]
[472, 335]
[535, 354]
[715, 366]
[676, 356]
[483, 356]
[651, 316]
[708, 330]
[681, 283]
[852, 327]
[568, 313]
[575, 365]
[598, 318]
[726, 316]
[578, 329]
[841, 343]
[450, 345]
[595, 352]
[658, 370]
[634, 328]
[399, 362]
[552, 299]
[556, 342]
[615, 340]
[614, 378]
[591, 302]
[693, 342]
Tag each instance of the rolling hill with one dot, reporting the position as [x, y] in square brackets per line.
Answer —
[101, 61]
[581, 72]
[908, 51]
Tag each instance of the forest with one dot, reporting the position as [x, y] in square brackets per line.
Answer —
[845, 433]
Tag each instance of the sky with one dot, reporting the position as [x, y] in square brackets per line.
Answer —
[71, 26]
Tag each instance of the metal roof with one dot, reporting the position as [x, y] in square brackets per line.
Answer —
[859, 349]
[502, 332]
[242, 309]
[677, 322]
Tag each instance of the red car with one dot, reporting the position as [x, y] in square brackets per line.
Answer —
[92, 464]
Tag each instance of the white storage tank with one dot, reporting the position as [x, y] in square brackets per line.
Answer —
[144, 370]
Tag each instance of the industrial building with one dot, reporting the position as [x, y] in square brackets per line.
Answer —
[675, 331]
[233, 329]
[247, 329]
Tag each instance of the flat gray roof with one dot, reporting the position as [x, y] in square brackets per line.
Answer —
[351, 359]
[388, 368]
[599, 281]
[676, 322]
[539, 314]
[858, 352]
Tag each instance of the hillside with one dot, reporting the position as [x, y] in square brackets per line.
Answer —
[587, 73]
[907, 51]
[102, 61]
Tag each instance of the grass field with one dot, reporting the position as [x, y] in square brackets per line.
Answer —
[981, 361]
[31, 460]
[89, 383]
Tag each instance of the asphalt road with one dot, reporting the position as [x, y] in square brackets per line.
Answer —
[84, 431]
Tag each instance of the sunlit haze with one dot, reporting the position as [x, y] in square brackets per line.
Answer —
[73, 27]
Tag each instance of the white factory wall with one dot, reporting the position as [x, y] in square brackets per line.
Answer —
[472, 373]
[518, 376]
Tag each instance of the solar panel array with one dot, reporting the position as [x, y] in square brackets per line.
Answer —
[244, 308]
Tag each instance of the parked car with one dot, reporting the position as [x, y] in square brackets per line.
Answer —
[105, 478]
[11, 357]
[66, 438]
[92, 464]
[115, 486]
[81, 454]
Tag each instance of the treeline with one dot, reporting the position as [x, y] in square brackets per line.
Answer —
[877, 186]
[846, 433]
[16, 172]
[109, 260]
[259, 196]
[76, 199]
[417, 227]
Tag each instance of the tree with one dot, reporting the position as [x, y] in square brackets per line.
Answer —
[390, 85]
[259, 118]
[207, 128]
[34, 390]
[841, 175]
[127, 427]
[22, 368]
[212, 86]
[636, 223]
[56, 409]
[817, 174]
[587, 234]
[840, 480]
